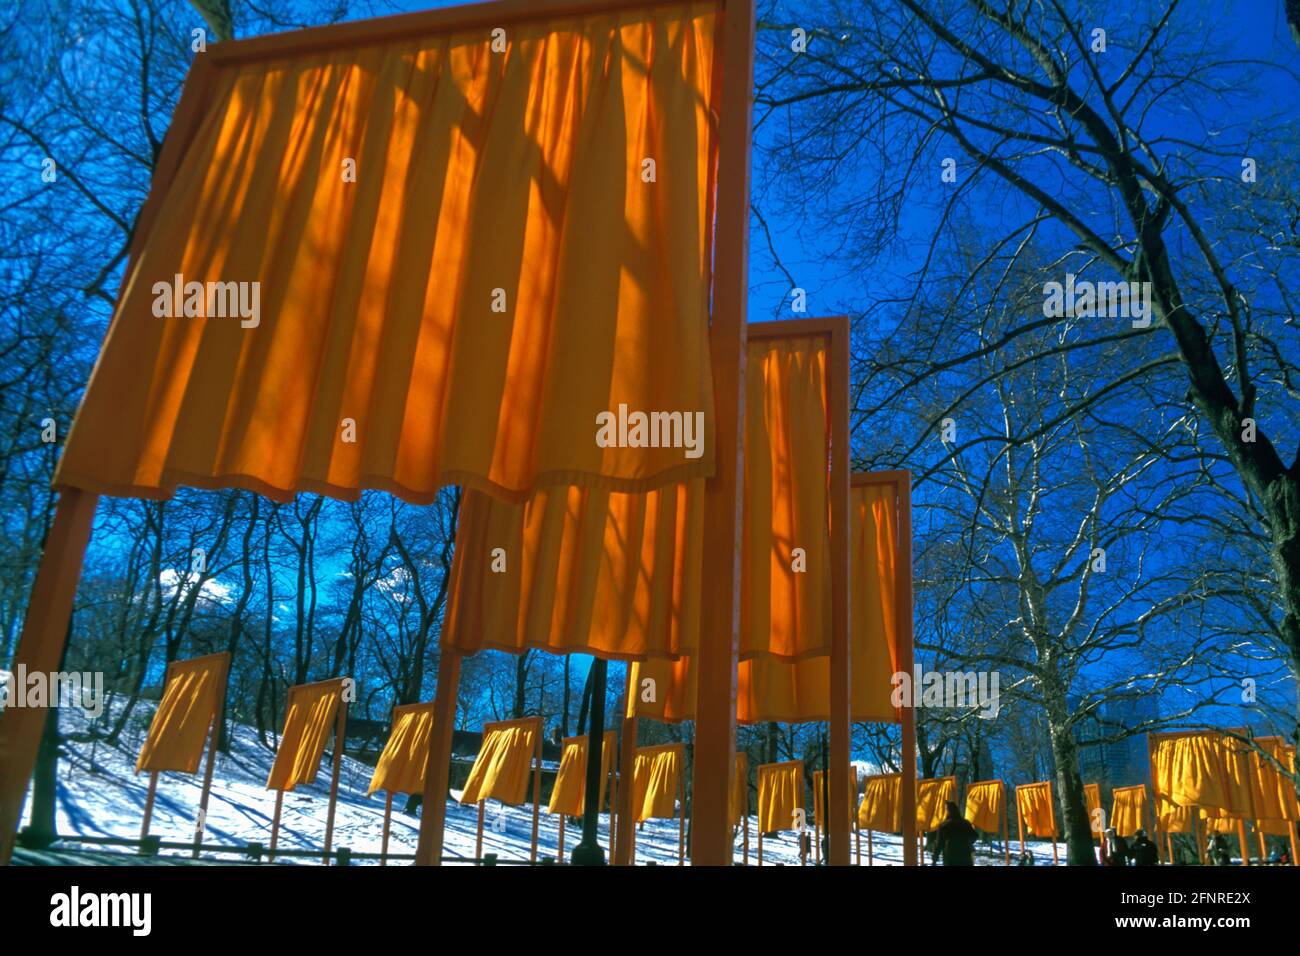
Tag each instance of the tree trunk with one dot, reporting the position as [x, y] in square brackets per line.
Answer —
[1069, 791]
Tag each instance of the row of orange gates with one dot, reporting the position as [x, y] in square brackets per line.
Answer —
[1208, 780]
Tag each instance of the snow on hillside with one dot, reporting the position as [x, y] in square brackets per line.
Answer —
[109, 802]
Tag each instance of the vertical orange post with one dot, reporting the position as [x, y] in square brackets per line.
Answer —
[1196, 834]
[478, 836]
[1006, 827]
[388, 819]
[838, 810]
[745, 857]
[622, 851]
[340, 742]
[681, 816]
[906, 660]
[760, 846]
[715, 734]
[1241, 839]
[438, 765]
[1051, 809]
[871, 860]
[148, 806]
[275, 824]
[40, 648]
[537, 787]
[560, 852]
[214, 741]
[1020, 822]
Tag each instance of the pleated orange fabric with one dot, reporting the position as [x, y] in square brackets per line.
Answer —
[740, 790]
[1205, 769]
[1172, 818]
[770, 689]
[1034, 804]
[577, 569]
[785, 612]
[192, 694]
[1092, 800]
[819, 793]
[308, 720]
[568, 793]
[881, 807]
[656, 776]
[1217, 821]
[1128, 809]
[932, 797]
[1275, 796]
[444, 264]
[984, 805]
[504, 763]
[401, 766]
[780, 796]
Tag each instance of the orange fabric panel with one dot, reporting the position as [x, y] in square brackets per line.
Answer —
[931, 797]
[1128, 807]
[656, 776]
[984, 807]
[780, 796]
[1275, 796]
[1172, 818]
[1092, 800]
[819, 793]
[568, 794]
[740, 790]
[1216, 821]
[587, 570]
[401, 766]
[772, 689]
[191, 697]
[308, 720]
[504, 763]
[481, 179]
[786, 613]
[1034, 804]
[1190, 771]
[881, 807]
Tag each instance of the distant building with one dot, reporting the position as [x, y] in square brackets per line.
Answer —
[1124, 762]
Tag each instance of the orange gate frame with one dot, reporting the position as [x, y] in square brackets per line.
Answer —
[45, 627]
[610, 778]
[836, 330]
[536, 762]
[1051, 807]
[630, 788]
[1292, 826]
[214, 737]
[340, 741]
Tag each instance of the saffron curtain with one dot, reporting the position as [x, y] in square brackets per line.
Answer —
[308, 718]
[190, 700]
[770, 689]
[504, 761]
[606, 573]
[931, 799]
[571, 779]
[1034, 804]
[984, 805]
[780, 795]
[1204, 770]
[463, 252]
[1173, 818]
[1275, 797]
[401, 765]
[881, 807]
[1128, 809]
[656, 774]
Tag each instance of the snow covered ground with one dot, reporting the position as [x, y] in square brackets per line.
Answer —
[108, 801]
